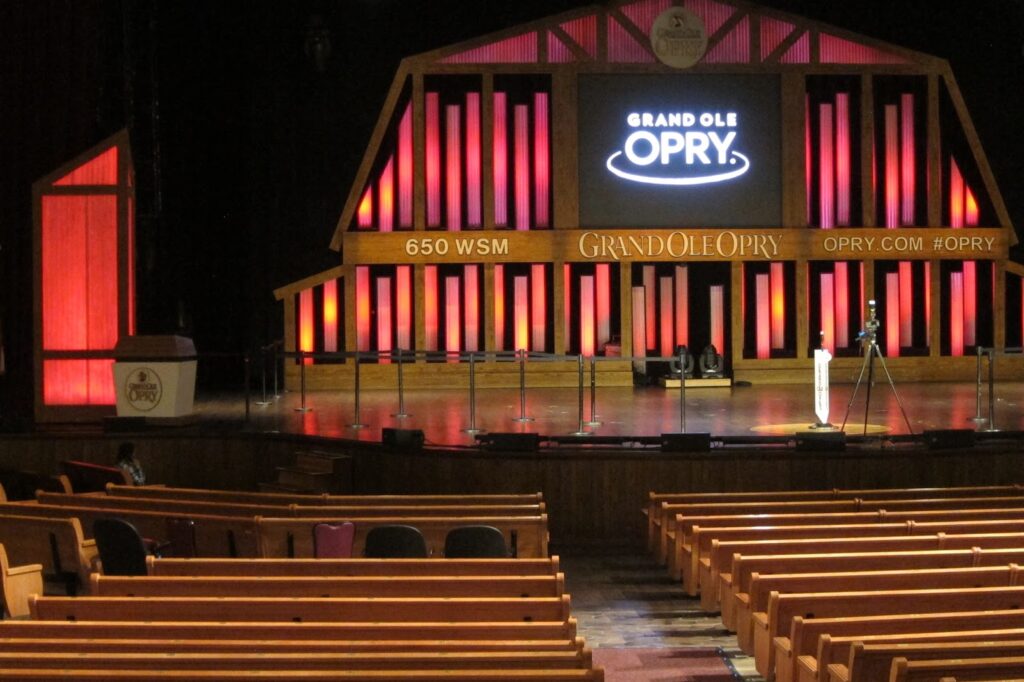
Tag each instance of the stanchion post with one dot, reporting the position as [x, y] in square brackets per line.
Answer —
[977, 418]
[682, 392]
[277, 361]
[522, 419]
[302, 383]
[263, 377]
[401, 414]
[472, 396]
[247, 360]
[579, 430]
[991, 390]
[356, 421]
[594, 421]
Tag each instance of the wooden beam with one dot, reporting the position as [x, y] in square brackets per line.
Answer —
[794, 183]
[565, 153]
[934, 159]
[867, 157]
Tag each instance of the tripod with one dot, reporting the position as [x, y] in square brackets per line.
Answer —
[869, 337]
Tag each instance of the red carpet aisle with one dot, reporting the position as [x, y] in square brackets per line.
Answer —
[689, 664]
[642, 627]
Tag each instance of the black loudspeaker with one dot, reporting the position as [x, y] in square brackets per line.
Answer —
[949, 439]
[405, 439]
[826, 441]
[685, 442]
[510, 442]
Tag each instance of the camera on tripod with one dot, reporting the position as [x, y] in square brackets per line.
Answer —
[870, 332]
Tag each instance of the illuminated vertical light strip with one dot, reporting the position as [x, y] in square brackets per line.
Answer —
[716, 297]
[453, 170]
[843, 152]
[892, 314]
[603, 295]
[362, 308]
[306, 323]
[500, 157]
[639, 321]
[567, 301]
[808, 151]
[956, 313]
[430, 307]
[666, 327]
[433, 159]
[386, 219]
[521, 312]
[826, 169]
[906, 303]
[956, 196]
[452, 317]
[927, 301]
[521, 172]
[892, 168]
[538, 308]
[365, 211]
[541, 160]
[778, 298]
[841, 284]
[474, 200]
[403, 307]
[499, 306]
[828, 319]
[907, 165]
[682, 306]
[970, 307]
[472, 295]
[763, 319]
[651, 312]
[384, 317]
[970, 208]
[331, 316]
[587, 315]
[405, 174]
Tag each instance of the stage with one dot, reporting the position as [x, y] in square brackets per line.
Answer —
[740, 411]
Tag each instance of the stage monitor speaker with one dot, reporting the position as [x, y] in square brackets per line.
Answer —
[685, 442]
[826, 441]
[405, 439]
[949, 439]
[510, 442]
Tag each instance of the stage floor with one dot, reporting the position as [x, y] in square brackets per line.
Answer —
[443, 414]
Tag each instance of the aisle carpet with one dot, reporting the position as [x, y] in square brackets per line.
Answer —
[669, 664]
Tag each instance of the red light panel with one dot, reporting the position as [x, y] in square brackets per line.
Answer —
[362, 308]
[541, 160]
[717, 300]
[773, 32]
[472, 275]
[667, 336]
[584, 32]
[603, 295]
[652, 310]
[799, 52]
[892, 314]
[433, 159]
[520, 49]
[682, 306]
[538, 308]
[474, 211]
[644, 12]
[453, 175]
[956, 314]
[892, 167]
[828, 321]
[623, 48]
[405, 169]
[970, 304]
[843, 153]
[430, 307]
[971, 208]
[500, 155]
[452, 317]
[778, 293]
[384, 317]
[521, 313]
[100, 170]
[826, 168]
[639, 321]
[78, 382]
[956, 196]
[330, 316]
[365, 212]
[733, 48]
[499, 306]
[841, 283]
[907, 166]
[403, 307]
[906, 303]
[387, 197]
[521, 172]
[763, 316]
[587, 315]
[836, 50]
[306, 323]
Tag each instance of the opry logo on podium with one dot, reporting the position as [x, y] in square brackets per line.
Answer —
[679, 149]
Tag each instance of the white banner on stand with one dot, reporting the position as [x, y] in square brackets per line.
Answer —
[821, 400]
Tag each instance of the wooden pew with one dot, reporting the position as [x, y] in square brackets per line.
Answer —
[783, 608]
[737, 582]
[216, 536]
[330, 587]
[323, 499]
[350, 567]
[149, 675]
[761, 587]
[682, 546]
[193, 507]
[836, 650]
[671, 512]
[797, 655]
[722, 552]
[704, 539]
[269, 609]
[278, 538]
[57, 545]
[254, 659]
[371, 635]
[955, 670]
[870, 662]
[655, 499]
[18, 582]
